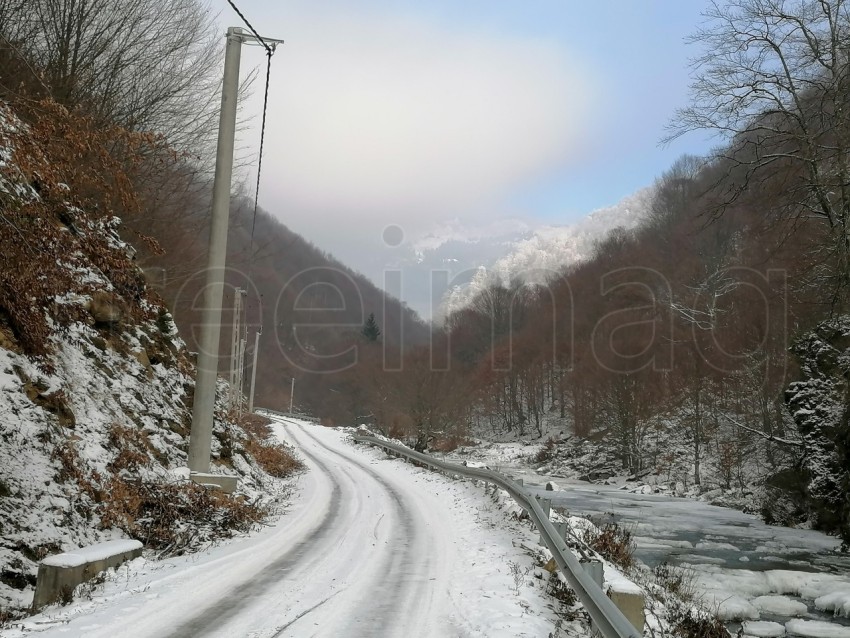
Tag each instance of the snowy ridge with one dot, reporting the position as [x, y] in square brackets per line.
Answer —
[549, 249]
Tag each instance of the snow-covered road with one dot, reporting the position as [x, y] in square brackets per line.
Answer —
[362, 561]
[370, 547]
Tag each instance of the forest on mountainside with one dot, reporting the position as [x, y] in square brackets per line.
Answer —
[97, 384]
[720, 323]
[717, 331]
[140, 79]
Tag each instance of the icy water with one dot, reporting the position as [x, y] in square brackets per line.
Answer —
[679, 530]
[727, 549]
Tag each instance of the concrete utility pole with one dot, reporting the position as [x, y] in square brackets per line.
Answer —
[200, 440]
[254, 371]
[240, 376]
[291, 395]
[203, 406]
[234, 344]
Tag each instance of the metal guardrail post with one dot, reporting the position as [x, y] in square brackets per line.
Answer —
[606, 617]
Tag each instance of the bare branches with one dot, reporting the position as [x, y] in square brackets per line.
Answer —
[147, 65]
[764, 435]
[773, 82]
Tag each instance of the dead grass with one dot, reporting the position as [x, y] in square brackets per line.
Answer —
[613, 542]
[170, 517]
[676, 581]
[134, 449]
[274, 458]
[173, 517]
[256, 426]
[9, 615]
[566, 597]
[546, 452]
[688, 624]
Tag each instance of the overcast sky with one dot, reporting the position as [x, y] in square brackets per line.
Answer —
[419, 113]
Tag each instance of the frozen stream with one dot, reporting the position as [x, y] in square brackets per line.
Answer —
[742, 567]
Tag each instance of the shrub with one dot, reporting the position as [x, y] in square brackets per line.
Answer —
[9, 615]
[677, 581]
[546, 453]
[564, 594]
[172, 517]
[255, 425]
[687, 623]
[613, 542]
[69, 180]
[274, 458]
[133, 447]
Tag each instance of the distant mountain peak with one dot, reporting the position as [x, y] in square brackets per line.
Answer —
[455, 230]
[546, 250]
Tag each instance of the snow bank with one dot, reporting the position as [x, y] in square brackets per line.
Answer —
[763, 629]
[92, 553]
[779, 606]
[837, 602]
[816, 629]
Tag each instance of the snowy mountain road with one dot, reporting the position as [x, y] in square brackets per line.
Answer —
[369, 547]
[354, 575]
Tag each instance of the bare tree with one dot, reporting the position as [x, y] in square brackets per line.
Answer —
[147, 65]
[773, 82]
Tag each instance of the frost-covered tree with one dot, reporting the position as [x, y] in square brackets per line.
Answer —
[820, 405]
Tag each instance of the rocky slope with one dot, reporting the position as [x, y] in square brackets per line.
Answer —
[95, 389]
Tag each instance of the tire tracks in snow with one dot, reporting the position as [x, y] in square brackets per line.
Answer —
[219, 612]
[406, 597]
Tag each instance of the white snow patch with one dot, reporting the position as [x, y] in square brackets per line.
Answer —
[816, 629]
[736, 608]
[779, 606]
[763, 629]
[837, 602]
[92, 553]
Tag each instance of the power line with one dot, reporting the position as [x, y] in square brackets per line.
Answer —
[262, 141]
[270, 49]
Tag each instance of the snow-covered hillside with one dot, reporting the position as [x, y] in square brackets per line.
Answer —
[548, 249]
[95, 390]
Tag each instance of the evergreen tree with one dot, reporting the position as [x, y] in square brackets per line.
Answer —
[371, 331]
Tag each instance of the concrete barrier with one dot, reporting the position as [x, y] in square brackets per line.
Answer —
[59, 574]
[627, 596]
[631, 604]
[224, 483]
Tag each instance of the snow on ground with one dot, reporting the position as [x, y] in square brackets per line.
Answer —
[371, 546]
[740, 567]
[763, 629]
[98, 388]
[779, 606]
[816, 629]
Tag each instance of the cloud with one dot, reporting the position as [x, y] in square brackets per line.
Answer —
[380, 118]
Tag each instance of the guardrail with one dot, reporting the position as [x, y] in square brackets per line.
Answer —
[606, 617]
[290, 415]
